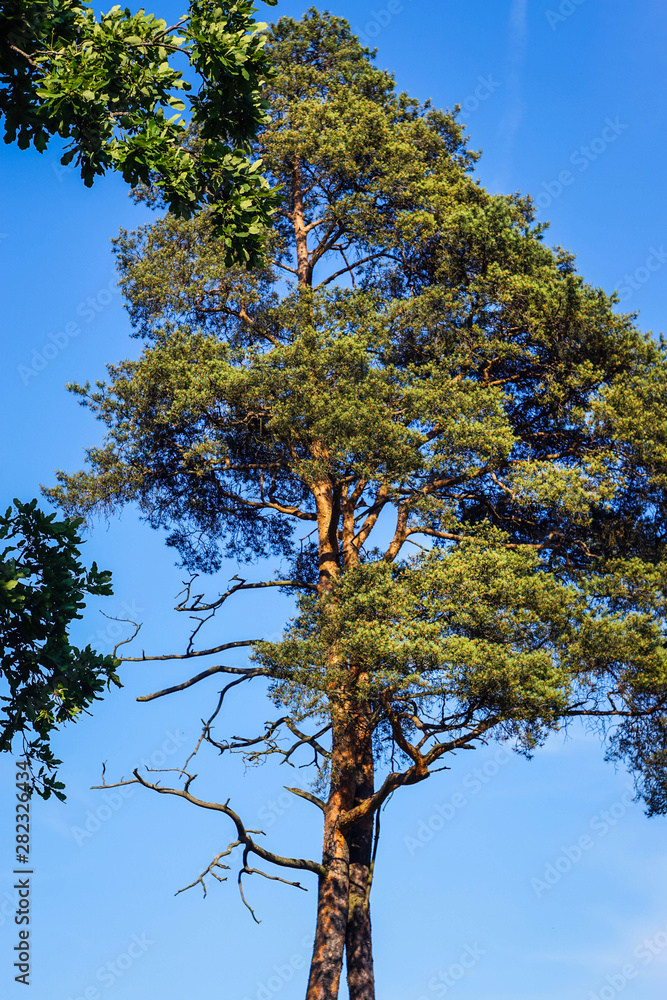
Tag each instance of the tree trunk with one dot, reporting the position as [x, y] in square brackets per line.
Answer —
[332, 903]
[343, 912]
[333, 894]
[304, 269]
[358, 943]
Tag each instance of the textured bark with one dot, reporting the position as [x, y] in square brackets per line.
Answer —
[333, 895]
[358, 943]
[327, 502]
[343, 929]
[304, 267]
[332, 904]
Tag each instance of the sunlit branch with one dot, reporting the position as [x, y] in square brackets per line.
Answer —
[400, 534]
[308, 796]
[371, 518]
[418, 772]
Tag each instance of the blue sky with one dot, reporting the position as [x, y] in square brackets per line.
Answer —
[542, 875]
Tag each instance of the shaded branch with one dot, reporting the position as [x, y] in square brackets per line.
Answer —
[201, 652]
[246, 674]
[256, 871]
[351, 267]
[300, 864]
[209, 871]
[206, 731]
[241, 585]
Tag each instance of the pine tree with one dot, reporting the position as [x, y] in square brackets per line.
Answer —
[473, 436]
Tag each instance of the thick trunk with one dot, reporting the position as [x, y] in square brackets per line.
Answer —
[358, 945]
[333, 895]
[332, 907]
[343, 914]
[358, 941]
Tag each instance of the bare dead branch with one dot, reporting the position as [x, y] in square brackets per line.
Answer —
[241, 585]
[200, 652]
[127, 621]
[243, 835]
[308, 796]
[246, 673]
[256, 871]
[210, 870]
[206, 731]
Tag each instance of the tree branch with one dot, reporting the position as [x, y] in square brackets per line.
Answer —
[242, 585]
[247, 674]
[300, 864]
[308, 796]
[200, 652]
[351, 267]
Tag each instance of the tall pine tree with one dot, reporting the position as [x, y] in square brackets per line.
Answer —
[471, 438]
